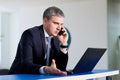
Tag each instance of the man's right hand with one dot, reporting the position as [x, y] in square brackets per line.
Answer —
[52, 69]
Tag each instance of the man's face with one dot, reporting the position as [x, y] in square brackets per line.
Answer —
[53, 25]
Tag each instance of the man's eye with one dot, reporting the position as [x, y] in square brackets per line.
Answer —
[56, 23]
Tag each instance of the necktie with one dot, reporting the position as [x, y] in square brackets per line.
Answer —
[48, 50]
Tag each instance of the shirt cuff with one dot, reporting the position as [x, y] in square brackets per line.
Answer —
[64, 50]
[41, 70]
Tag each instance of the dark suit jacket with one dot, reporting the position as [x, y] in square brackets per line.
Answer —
[31, 52]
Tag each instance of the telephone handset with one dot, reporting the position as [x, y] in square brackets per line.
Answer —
[61, 32]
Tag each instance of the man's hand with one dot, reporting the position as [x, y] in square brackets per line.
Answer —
[52, 69]
[63, 38]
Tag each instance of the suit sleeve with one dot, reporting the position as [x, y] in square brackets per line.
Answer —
[62, 60]
[26, 47]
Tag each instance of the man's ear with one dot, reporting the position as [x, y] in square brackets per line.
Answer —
[45, 20]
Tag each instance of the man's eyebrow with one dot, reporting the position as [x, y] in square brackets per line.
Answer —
[56, 22]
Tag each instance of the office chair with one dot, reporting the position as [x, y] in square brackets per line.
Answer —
[4, 71]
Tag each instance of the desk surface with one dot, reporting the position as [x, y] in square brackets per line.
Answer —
[83, 76]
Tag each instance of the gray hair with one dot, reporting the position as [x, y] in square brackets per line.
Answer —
[52, 11]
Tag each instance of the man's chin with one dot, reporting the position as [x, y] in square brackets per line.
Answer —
[54, 34]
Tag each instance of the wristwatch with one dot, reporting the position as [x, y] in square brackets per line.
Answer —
[64, 46]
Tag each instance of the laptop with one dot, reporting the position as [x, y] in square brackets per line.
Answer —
[88, 61]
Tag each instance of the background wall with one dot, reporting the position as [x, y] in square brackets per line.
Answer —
[86, 20]
[113, 35]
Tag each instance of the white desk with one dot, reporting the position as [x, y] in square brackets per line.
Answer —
[91, 75]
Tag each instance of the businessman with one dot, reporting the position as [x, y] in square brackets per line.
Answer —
[31, 52]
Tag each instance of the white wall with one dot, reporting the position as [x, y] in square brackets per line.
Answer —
[0, 38]
[4, 39]
[113, 33]
[86, 20]
[9, 37]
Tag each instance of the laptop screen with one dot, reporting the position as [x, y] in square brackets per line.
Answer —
[89, 60]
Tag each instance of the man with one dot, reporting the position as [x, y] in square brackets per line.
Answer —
[31, 52]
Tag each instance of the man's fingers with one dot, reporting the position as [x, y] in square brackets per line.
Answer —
[53, 69]
[53, 61]
[53, 64]
[61, 73]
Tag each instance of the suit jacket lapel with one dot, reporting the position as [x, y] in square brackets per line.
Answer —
[43, 38]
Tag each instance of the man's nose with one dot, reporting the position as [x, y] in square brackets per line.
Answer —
[60, 26]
